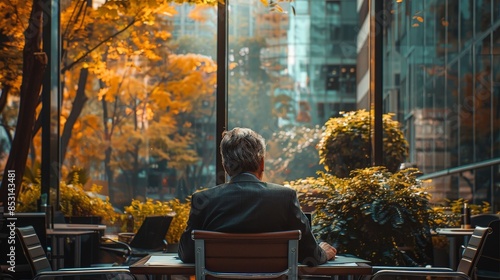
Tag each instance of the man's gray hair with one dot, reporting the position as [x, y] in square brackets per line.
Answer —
[242, 150]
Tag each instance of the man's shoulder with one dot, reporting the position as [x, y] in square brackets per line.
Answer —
[216, 190]
[279, 188]
[210, 190]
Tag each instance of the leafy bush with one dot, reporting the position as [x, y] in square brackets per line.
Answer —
[293, 154]
[346, 144]
[74, 201]
[372, 213]
[139, 210]
[449, 214]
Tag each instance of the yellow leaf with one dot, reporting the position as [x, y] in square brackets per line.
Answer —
[121, 50]
[279, 8]
[233, 65]
[418, 18]
[102, 92]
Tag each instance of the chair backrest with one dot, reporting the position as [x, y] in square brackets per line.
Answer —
[152, 232]
[473, 250]
[246, 255]
[35, 219]
[483, 220]
[33, 249]
[490, 257]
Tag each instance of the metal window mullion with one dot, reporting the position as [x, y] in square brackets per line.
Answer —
[222, 82]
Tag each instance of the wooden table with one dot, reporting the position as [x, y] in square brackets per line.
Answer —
[457, 238]
[164, 265]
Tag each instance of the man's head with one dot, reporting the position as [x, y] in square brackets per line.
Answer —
[242, 150]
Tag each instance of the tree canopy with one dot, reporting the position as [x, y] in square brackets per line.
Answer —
[128, 98]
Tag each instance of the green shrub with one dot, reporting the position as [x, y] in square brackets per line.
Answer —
[372, 213]
[346, 144]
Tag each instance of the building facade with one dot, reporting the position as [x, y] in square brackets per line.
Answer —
[322, 60]
[441, 77]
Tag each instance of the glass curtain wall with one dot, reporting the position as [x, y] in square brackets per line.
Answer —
[288, 74]
[137, 111]
[448, 92]
[146, 126]
[138, 92]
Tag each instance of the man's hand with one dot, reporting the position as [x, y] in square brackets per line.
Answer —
[330, 251]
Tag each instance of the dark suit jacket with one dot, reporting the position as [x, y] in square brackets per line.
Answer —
[248, 205]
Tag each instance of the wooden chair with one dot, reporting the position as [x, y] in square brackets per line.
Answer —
[42, 269]
[35, 219]
[483, 220]
[465, 270]
[271, 255]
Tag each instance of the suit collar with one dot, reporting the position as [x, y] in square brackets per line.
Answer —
[244, 177]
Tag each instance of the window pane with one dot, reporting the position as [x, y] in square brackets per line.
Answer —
[292, 75]
[145, 111]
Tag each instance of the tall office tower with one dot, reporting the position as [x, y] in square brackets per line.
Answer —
[440, 78]
[322, 57]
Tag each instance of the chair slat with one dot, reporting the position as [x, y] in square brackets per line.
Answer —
[472, 252]
[246, 250]
[241, 264]
[34, 250]
[474, 241]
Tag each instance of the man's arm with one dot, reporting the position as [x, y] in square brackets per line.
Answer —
[186, 247]
[186, 243]
[310, 252]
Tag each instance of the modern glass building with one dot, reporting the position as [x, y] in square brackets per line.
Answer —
[441, 78]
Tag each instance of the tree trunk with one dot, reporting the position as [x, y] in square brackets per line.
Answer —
[108, 151]
[3, 102]
[34, 64]
[78, 104]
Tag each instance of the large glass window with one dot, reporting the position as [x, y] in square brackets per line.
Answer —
[139, 90]
[146, 126]
[139, 87]
[137, 116]
[300, 77]
[453, 83]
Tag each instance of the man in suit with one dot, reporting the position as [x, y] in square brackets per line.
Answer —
[248, 205]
